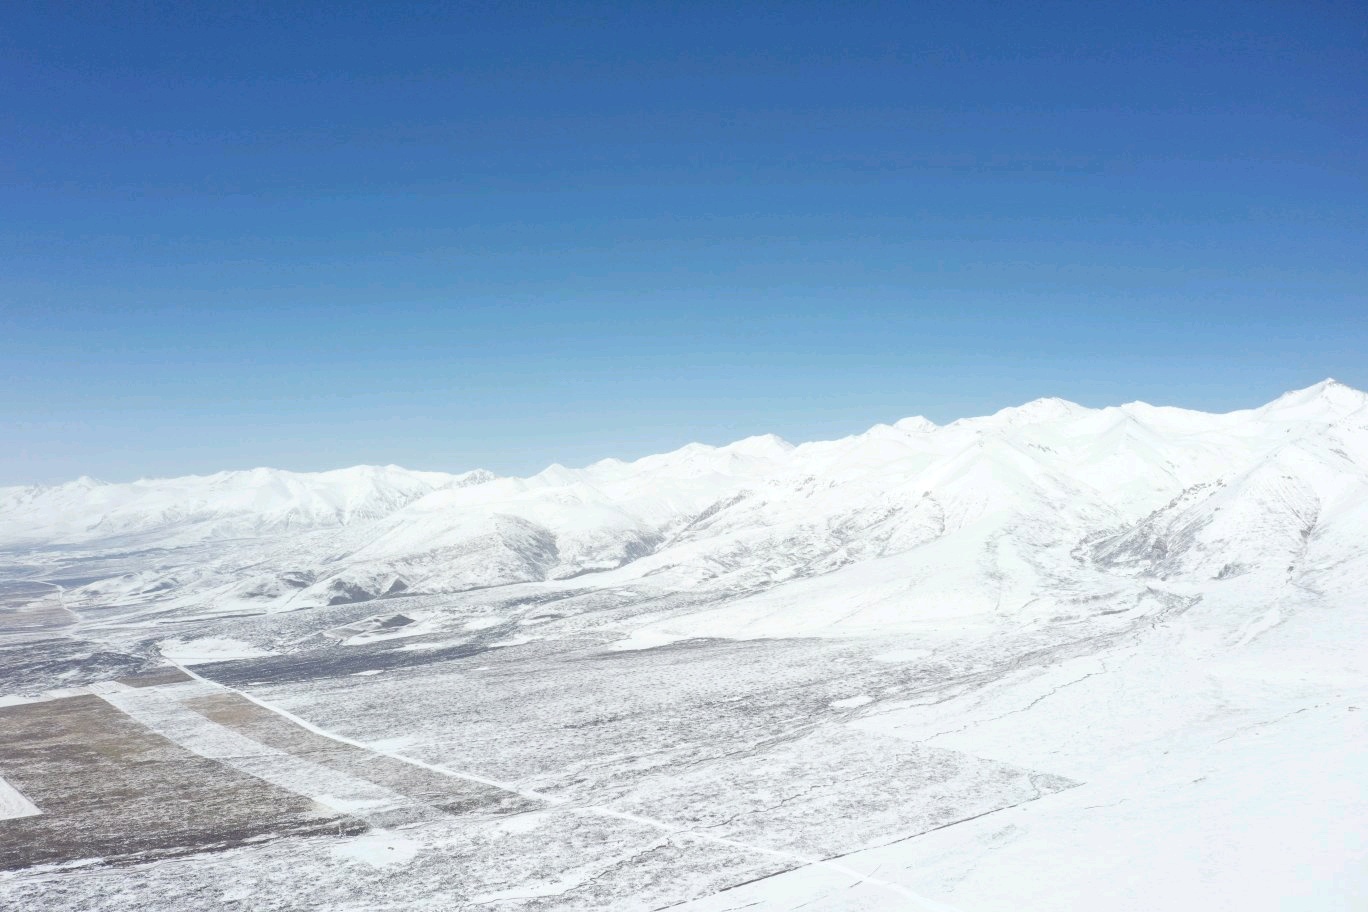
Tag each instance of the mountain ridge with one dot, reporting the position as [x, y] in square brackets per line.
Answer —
[1327, 389]
[981, 510]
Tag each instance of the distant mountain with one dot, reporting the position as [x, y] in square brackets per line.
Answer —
[224, 504]
[1033, 510]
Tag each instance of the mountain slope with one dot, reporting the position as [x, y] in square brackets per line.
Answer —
[911, 521]
[984, 666]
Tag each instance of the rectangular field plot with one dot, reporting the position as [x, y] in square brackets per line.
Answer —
[110, 789]
[447, 794]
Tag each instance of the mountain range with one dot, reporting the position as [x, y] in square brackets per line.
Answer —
[1024, 512]
[1052, 658]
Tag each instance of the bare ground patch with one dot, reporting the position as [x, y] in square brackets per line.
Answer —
[108, 788]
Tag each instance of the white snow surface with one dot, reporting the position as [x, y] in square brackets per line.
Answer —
[209, 649]
[1128, 641]
[13, 803]
[904, 525]
[174, 510]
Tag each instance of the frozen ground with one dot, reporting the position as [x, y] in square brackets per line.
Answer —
[1052, 659]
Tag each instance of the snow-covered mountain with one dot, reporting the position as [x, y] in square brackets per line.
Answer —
[178, 510]
[908, 521]
[985, 666]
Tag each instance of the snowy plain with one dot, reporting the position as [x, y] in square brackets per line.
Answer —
[1055, 658]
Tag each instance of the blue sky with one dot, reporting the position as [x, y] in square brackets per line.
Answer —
[503, 235]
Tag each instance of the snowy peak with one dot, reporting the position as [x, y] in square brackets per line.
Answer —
[766, 446]
[915, 425]
[1040, 411]
[1328, 399]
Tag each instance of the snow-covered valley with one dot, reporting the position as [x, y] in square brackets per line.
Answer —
[1055, 658]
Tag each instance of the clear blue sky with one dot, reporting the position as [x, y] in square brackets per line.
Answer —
[503, 234]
